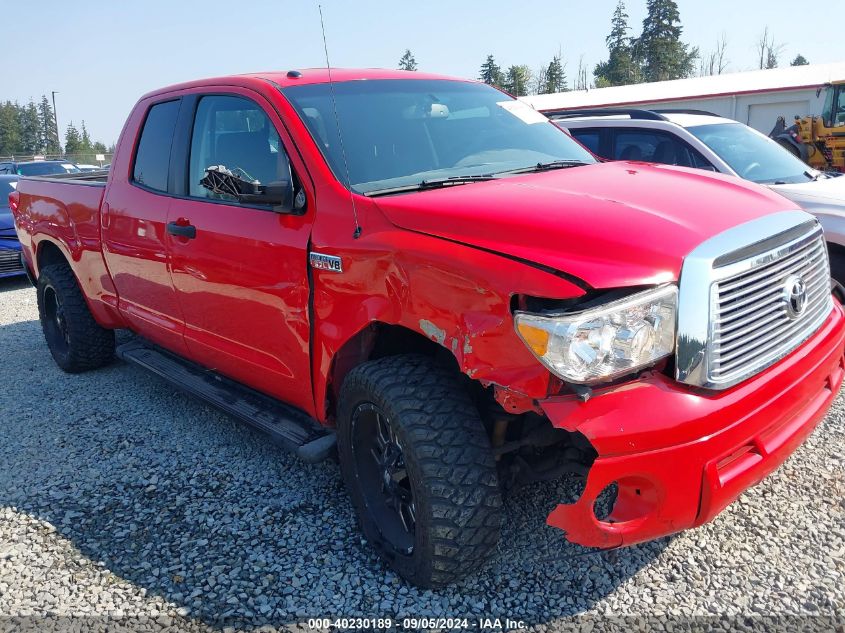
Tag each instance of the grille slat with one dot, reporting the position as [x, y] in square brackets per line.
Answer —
[771, 299]
[726, 365]
[751, 325]
[724, 360]
[765, 270]
[10, 261]
[756, 320]
[809, 266]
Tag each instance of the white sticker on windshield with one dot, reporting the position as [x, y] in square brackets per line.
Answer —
[522, 111]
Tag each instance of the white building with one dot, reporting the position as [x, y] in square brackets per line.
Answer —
[756, 98]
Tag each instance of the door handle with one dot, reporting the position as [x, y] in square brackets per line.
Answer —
[181, 229]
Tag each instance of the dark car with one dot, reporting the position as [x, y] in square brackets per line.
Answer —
[10, 248]
[38, 167]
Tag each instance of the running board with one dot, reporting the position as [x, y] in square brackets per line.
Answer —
[289, 427]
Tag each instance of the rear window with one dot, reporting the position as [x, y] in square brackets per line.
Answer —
[152, 160]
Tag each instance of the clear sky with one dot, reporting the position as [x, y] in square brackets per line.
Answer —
[101, 55]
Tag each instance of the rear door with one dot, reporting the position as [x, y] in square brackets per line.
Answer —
[241, 269]
[134, 218]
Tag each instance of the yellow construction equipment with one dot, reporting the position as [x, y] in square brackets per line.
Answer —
[818, 140]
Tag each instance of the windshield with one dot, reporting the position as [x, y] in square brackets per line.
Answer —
[45, 169]
[402, 132]
[751, 155]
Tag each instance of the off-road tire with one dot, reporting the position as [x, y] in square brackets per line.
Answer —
[87, 345]
[449, 460]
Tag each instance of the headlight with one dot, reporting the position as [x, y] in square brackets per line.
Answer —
[604, 342]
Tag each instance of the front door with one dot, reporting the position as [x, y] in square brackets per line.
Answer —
[240, 269]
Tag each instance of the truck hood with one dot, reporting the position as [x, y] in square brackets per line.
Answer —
[611, 224]
[829, 191]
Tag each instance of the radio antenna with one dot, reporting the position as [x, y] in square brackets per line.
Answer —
[357, 233]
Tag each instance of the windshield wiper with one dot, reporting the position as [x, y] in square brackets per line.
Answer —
[554, 164]
[431, 184]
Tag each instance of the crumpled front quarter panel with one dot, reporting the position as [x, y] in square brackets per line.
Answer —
[457, 296]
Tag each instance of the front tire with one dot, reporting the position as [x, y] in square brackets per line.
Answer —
[74, 338]
[418, 465]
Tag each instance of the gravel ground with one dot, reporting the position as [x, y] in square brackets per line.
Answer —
[122, 498]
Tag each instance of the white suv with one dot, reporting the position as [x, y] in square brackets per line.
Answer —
[691, 138]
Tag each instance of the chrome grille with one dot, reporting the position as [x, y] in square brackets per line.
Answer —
[10, 261]
[752, 325]
[738, 298]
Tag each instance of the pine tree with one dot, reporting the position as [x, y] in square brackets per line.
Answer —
[49, 134]
[10, 137]
[663, 54]
[30, 129]
[407, 61]
[555, 77]
[85, 140]
[517, 80]
[620, 68]
[73, 140]
[799, 60]
[491, 73]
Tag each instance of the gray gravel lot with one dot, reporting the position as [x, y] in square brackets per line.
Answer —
[122, 497]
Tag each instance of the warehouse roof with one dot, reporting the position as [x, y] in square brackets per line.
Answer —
[790, 78]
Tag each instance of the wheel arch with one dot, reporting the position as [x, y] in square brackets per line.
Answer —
[378, 339]
[97, 290]
[48, 253]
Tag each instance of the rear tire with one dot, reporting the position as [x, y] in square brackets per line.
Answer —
[418, 465]
[74, 338]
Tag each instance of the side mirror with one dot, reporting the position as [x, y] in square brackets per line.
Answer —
[279, 194]
[282, 195]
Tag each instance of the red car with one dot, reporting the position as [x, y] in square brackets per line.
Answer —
[434, 279]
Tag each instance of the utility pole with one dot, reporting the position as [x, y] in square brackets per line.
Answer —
[56, 120]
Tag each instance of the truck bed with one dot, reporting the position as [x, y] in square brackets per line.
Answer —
[61, 214]
[94, 178]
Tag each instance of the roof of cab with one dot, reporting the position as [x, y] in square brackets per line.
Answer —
[305, 76]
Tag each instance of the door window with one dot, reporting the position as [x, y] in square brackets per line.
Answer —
[152, 160]
[654, 146]
[234, 133]
[589, 138]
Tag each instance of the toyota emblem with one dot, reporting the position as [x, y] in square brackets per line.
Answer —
[795, 296]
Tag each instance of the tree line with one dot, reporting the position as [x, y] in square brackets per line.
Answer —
[656, 54]
[31, 129]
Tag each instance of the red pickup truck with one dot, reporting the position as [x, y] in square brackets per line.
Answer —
[430, 278]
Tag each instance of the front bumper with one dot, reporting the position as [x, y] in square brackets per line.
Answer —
[678, 456]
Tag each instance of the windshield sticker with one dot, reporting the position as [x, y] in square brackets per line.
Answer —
[522, 111]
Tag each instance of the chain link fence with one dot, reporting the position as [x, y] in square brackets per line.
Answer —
[87, 158]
